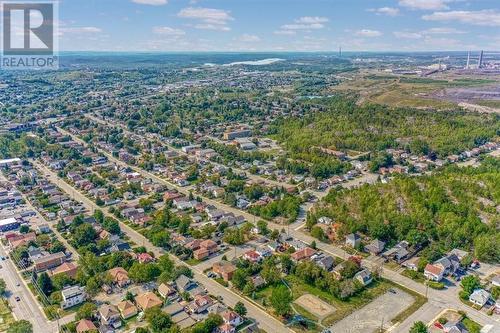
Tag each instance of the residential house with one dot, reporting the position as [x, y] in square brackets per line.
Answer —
[364, 277]
[200, 304]
[411, 264]
[166, 290]
[85, 325]
[398, 253]
[252, 256]
[454, 326]
[325, 262]
[450, 264]
[148, 300]
[232, 318]
[353, 240]
[67, 268]
[479, 297]
[224, 269]
[375, 247]
[119, 276]
[185, 284]
[302, 254]
[434, 272]
[145, 258]
[226, 328]
[127, 309]
[72, 296]
[109, 315]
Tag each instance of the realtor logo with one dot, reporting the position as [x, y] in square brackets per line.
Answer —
[29, 35]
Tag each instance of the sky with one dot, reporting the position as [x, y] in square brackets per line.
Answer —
[279, 25]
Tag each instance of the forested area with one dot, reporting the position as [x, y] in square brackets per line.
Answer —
[454, 208]
[347, 126]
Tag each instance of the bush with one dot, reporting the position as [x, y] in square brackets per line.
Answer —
[436, 285]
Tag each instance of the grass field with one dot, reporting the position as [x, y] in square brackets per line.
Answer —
[6, 316]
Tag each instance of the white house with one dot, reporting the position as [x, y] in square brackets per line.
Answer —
[479, 297]
[72, 296]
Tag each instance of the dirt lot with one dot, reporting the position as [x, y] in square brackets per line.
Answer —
[382, 310]
[315, 305]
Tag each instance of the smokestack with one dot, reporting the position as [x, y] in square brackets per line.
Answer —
[340, 51]
[480, 62]
[468, 61]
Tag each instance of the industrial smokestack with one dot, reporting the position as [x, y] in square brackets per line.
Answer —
[468, 61]
[480, 62]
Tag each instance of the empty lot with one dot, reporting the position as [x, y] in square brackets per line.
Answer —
[369, 318]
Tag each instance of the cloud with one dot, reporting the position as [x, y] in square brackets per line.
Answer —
[209, 18]
[407, 35]
[443, 31]
[81, 30]
[305, 23]
[425, 4]
[311, 19]
[168, 31]
[151, 2]
[389, 11]
[487, 17]
[368, 33]
[247, 38]
[285, 32]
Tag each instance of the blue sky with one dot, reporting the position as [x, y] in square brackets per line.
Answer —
[279, 25]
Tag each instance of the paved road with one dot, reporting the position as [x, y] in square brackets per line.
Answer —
[447, 298]
[263, 319]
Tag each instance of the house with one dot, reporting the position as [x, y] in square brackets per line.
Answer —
[145, 258]
[119, 276]
[252, 256]
[226, 328]
[183, 284]
[166, 290]
[397, 253]
[257, 281]
[224, 269]
[302, 254]
[479, 297]
[200, 304]
[375, 247]
[325, 262]
[49, 261]
[85, 325]
[434, 272]
[454, 326]
[411, 264]
[353, 240]
[201, 254]
[109, 315]
[19, 240]
[148, 300]
[72, 296]
[495, 281]
[364, 277]
[450, 264]
[232, 318]
[264, 251]
[127, 309]
[67, 268]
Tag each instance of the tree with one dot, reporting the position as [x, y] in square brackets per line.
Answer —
[470, 283]
[86, 311]
[99, 216]
[84, 234]
[418, 327]
[111, 225]
[240, 309]
[45, 283]
[158, 320]
[280, 300]
[262, 226]
[20, 326]
[486, 247]
[61, 280]
[2, 287]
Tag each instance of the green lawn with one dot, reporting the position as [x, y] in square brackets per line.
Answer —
[471, 325]
[6, 315]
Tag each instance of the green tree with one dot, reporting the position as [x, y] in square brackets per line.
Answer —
[45, 283]
[280, 300]
[418, 327]
[240, 309]
[2, 286]
[470, 283]
[84, 234]
[20, 326]
[86, 311]
[158, 320]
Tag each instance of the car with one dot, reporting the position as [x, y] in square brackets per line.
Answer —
[392, 291]
[17, 284]
[18, 298]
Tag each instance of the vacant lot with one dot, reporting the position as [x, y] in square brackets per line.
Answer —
[6, 317]
[379, 312]
[315, 305]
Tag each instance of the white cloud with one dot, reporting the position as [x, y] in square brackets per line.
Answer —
[247, 38]
[407, 34]
[489, 18]
[209, 16]
[443, 31]
[209, 26]
[151, 2]
[285, 32]
[168, 31]
[311, 19]
[425, 4]
[368, 33]
[296, 26]
[81, 30]
[389, 11]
